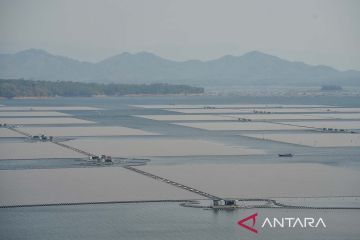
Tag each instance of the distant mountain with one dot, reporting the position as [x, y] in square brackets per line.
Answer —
[253, 68]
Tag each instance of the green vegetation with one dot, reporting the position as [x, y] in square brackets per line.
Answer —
[10, 88]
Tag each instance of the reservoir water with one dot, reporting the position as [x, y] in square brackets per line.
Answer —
[169, 220]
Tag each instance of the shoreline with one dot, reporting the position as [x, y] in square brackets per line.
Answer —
[106, 96]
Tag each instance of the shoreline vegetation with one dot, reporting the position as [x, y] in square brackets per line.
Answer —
[20, 88]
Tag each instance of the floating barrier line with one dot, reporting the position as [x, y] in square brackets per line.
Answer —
[274, 203]
[172, 183]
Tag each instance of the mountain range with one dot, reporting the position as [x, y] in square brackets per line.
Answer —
[253, 68]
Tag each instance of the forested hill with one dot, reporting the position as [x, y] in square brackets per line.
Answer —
[10, 88]
[253, 68]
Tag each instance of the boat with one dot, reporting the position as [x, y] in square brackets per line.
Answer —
[285, 155]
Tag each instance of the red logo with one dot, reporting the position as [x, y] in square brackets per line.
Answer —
[250, 228]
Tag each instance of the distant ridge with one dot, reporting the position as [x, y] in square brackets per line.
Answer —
[252, 68]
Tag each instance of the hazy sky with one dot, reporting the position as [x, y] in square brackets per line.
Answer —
[316, 32]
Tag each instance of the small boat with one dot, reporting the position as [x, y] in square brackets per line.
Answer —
[285, 155]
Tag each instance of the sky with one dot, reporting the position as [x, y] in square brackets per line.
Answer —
[313, 31]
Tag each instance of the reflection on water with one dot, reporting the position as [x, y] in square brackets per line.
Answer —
[168, 220]
[165, 221]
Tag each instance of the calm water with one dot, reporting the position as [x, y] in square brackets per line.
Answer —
[165, 221]
[169, 220]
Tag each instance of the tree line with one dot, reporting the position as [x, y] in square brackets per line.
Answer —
[10, 88]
